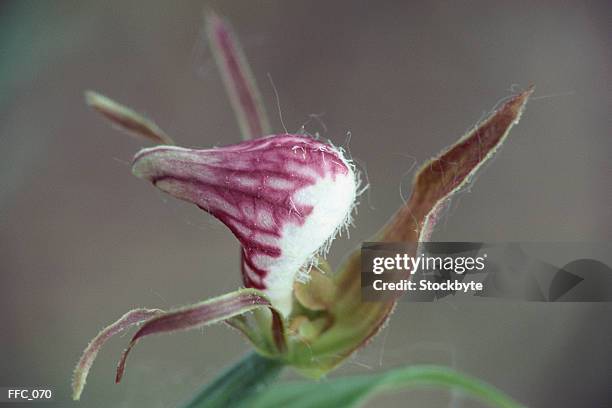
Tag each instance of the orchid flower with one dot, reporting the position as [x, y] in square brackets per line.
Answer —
[285, 197]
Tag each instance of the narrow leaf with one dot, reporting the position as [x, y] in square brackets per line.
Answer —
[237, 77]
[127, 120]
[353, 391]
[129, 319]
[201, 314]
[446, 174]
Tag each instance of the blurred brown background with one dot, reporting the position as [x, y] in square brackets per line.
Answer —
[82, 241]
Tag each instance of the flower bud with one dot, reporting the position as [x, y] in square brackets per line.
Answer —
[284, 197]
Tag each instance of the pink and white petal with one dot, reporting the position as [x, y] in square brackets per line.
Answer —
[284, 197]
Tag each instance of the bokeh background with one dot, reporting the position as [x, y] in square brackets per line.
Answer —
[82, 241]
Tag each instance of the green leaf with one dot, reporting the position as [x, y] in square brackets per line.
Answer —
[353, 391]
[238, 383]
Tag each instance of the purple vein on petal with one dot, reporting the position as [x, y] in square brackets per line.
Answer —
[127, 119]
[200, 314]
[237, 77]
[296, 194]
[131, 318]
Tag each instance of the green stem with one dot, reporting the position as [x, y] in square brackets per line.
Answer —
[237, 383]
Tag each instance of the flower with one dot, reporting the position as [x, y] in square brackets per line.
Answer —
[285, 197]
